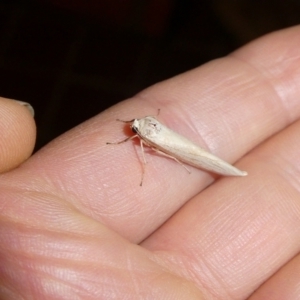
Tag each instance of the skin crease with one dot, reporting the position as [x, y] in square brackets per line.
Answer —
[75, 224]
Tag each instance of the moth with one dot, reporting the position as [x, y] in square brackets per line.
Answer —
[166, 142]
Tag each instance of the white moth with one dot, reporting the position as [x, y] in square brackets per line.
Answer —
[169, 143]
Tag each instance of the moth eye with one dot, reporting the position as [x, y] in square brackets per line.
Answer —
[134, 129]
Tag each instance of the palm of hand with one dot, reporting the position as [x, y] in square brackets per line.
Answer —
[76, 225]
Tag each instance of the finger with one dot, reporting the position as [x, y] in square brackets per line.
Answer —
[236, 234]
[228, 106]
[283, 285]
[50, 251]
[18, 133]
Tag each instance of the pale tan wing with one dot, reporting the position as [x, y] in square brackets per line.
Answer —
[175, 145]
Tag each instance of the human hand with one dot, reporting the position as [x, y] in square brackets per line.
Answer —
[75, 224]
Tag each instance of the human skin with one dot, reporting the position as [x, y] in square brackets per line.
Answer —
[75, 224]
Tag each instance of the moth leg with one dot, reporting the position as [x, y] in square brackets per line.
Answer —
[172, 157]
[124, 121]
[127, 139]
[143, 155]
[144, 161]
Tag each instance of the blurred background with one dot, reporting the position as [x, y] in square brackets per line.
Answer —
[71, 59]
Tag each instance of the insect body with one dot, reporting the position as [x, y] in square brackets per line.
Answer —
[169, 143]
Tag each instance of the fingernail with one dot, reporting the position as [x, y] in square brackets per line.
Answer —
[27, 105]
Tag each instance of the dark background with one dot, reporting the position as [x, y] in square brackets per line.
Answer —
[71, 59]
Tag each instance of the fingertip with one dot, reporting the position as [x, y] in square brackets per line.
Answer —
[18, 133]
[27, 105]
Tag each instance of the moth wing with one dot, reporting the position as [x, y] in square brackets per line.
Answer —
[187, 152]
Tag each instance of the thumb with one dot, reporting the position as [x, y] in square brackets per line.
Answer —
[18, 133]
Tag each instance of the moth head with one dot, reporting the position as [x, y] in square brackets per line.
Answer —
[146, 127]
[135, 126]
